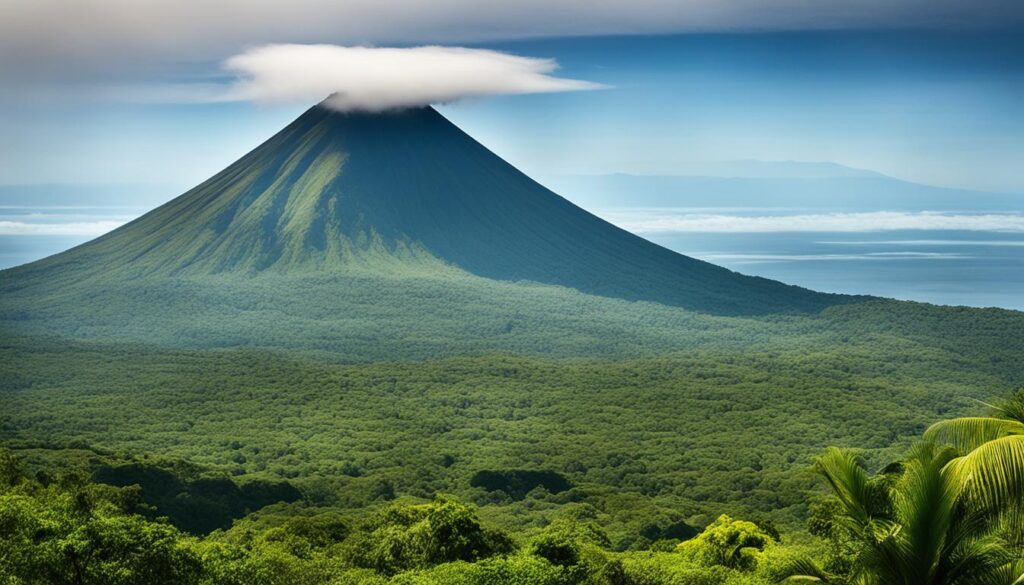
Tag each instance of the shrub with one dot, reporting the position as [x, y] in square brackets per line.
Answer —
[403, 537]
[727, 543]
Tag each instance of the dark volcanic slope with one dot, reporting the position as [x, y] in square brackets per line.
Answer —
[332, 191]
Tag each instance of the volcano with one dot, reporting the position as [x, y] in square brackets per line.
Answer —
[336, 191]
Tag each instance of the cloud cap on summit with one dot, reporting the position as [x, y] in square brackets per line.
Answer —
[378, 79]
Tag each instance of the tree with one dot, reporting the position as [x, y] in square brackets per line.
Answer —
[77, 533]
[404, 536]
[913, 524]
[565, 541]
[727, 543]
[991, 449]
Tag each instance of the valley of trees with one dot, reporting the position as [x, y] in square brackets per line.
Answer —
[132, 464]
[649, 439]
[946, 511]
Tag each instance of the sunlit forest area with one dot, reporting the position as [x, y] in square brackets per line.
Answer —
[123, 464]
[945, 511]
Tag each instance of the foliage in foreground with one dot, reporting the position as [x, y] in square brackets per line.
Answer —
[923, 520]
[919, 520]
[991, 465]
[75, 532]
[918, 529]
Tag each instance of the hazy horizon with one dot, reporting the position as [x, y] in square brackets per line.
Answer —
[943, 255]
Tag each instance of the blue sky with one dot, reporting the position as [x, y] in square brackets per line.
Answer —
[934, 106]
[941, 108]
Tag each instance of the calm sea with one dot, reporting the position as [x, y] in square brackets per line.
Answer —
[980, 269]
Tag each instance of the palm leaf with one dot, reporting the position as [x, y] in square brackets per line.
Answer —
[1010, 524]
[1012, 408]
[804, 570]
[1011, 573]
[850, 483]
[924, 501]
[992, 475]
[968, 433]
[980, 560]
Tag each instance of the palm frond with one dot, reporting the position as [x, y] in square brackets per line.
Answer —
[924, 502]
[1009, 523]
[850, 483]
[968, 433]
[882, 562]
[979, 561]
[801, 570]
[992, 475]
[1011, 408]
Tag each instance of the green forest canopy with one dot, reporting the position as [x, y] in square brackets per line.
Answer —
[915, 520]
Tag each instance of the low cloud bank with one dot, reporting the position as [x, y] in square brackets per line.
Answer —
[377, 79]
[878, 256]
[77, 228]
[649, 221]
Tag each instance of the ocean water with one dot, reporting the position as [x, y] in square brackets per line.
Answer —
[975, 267]
[19, 249]
[952, 257]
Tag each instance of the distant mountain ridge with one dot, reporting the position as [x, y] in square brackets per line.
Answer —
[806, 186]
[767, 169]
[399, 191]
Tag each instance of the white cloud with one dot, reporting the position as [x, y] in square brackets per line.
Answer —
[77, 228]
[668, 221]
[879, 256]
[365, 78]
[993, 243]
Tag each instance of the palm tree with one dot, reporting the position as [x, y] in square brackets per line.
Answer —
[913, 526]
[991, 465]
